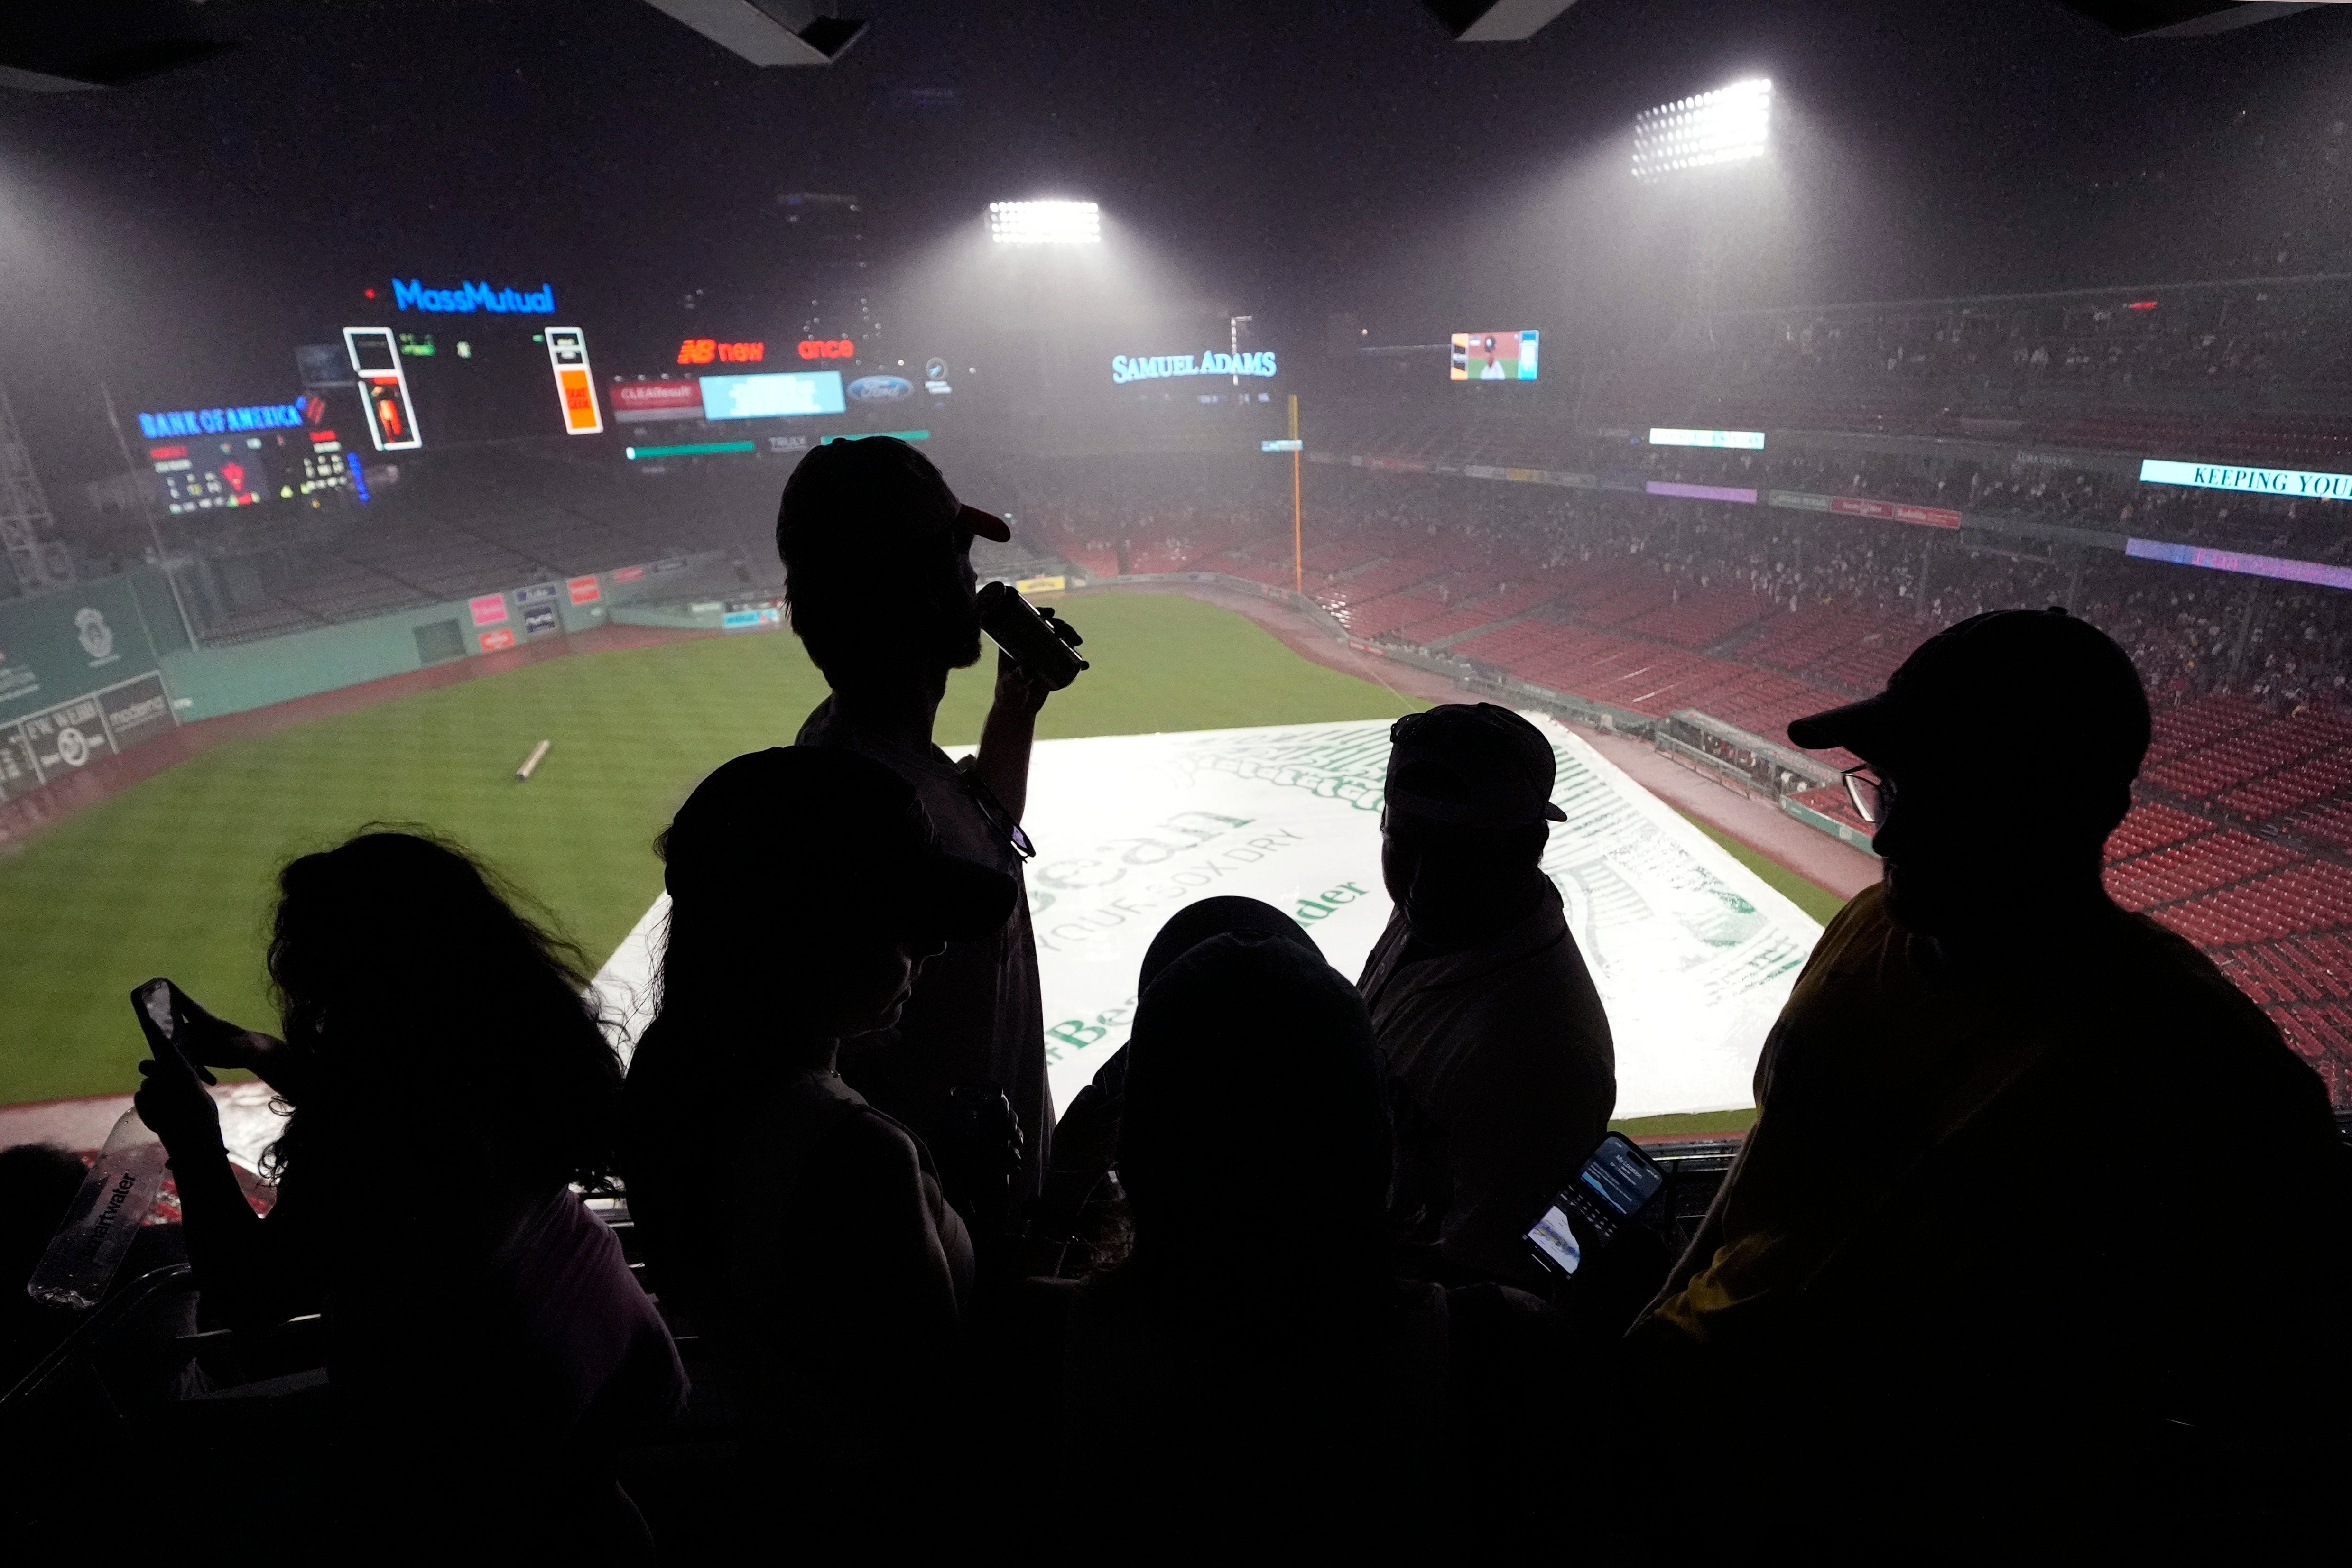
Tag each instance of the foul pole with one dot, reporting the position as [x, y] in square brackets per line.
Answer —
[1298, 524]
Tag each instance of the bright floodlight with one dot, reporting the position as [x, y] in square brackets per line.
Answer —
[1728, 125]
[1044, 223]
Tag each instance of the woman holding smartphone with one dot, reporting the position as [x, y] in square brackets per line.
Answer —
[488, 1344]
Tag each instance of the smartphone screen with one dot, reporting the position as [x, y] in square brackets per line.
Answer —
[1555, 1240]
[155, 1001]
[1621, 1176]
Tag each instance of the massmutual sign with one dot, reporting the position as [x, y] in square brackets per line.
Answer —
[412, 295]
[1125, 367]
[2293, 483]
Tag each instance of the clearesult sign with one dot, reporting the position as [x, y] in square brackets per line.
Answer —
[2296, 482]
[1125, 367]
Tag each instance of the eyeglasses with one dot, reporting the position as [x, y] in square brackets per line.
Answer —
[1871, 794]
[998, 817]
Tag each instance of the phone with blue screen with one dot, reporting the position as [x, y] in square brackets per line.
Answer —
[1613, 1186]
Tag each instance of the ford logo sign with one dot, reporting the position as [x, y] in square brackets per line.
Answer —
[881, 389]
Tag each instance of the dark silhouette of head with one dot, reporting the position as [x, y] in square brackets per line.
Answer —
[806, 890]
[877, 561]
[1253, 1091]
[1467, 812]
[2007, 744]
[1225, 916]
[395, 958]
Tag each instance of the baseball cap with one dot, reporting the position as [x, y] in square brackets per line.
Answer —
[876, 482]
[836, 831]
[1471, 765]
[2011, 679]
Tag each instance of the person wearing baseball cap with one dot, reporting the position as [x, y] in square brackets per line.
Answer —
[1502, 1071]
[803, 1230]
[877, 552]
[1942, 1342]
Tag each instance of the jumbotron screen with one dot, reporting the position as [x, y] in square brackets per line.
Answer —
[1495, 356]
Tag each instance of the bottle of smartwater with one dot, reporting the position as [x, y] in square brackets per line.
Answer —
[106, 1215]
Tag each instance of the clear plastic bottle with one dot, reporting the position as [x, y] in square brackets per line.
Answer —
[106, 1215]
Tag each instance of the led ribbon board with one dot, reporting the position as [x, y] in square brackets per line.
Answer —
[567, 351]
[384, 388]
[2294, 483]
[1734, 439]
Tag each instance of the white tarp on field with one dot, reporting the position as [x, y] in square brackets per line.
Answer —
[1693, 954]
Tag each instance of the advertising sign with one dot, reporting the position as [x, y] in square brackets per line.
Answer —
[881, 389]
[487, 610]
[1733, 440]
[67, 736]
[2312, 572]
[703, 350]
[1896, 511]
[412, 295]
[1701, 492]
[68, 644]
[567, 351]
[217, 421]
[2291, 482]
[584, 589]
[780, 395]
[643, 402]
[1125, 367]
[1495, 356]
[384, 388]
[494, 642]
[539, 619]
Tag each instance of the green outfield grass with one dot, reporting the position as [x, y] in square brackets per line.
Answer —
[174, 875]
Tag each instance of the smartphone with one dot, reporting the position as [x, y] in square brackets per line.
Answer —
[162, 1012]
[1612, 1189]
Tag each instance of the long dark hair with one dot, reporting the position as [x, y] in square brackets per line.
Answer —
[396, 951]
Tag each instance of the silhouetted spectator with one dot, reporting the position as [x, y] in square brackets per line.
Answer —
[1085, 1140]
[878, 553]
[1905, 1342]
[1252, 1364]
[490, 1346]
[803, 1230]
[1503, 1075]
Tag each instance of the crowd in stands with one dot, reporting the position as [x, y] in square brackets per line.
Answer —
[1756, 615]
[1318, 1320]
[2231, 347]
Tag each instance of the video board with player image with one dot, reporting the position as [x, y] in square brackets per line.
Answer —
[1495, 356]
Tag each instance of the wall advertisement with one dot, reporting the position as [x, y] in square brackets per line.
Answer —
[66, 737]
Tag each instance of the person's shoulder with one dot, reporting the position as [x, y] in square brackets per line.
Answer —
[874, 1141]
[2186, 1011]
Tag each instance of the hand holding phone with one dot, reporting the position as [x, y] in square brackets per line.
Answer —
[173, 1101]
[1585, 1217]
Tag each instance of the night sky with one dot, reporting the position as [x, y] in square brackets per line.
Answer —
[1290, 159]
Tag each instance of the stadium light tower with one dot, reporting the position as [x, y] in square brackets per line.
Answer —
[1044, 223]
[1729, 125]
